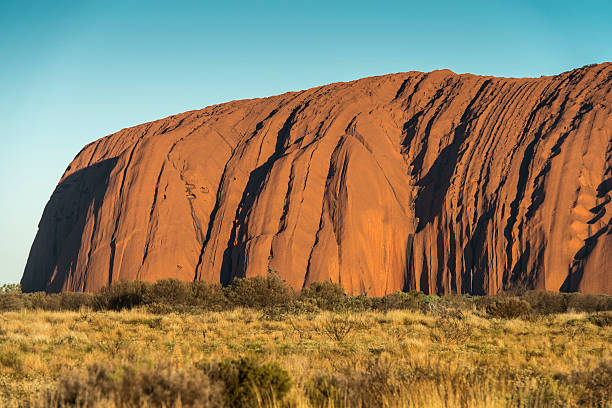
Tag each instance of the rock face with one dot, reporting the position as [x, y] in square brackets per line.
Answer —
[438, 182]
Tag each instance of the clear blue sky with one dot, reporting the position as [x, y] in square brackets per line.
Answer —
[73, 71]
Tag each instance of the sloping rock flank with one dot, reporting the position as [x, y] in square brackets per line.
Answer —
[439, 182]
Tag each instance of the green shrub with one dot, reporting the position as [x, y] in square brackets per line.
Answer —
[75, 301]
[44, 301]
[13, 299]
[552, 302]
[168, 291]
[121, 295]
[59, 301]
[259, 292]
[12, 302]
[357, 303]
[433, 304]
[414, 300]
[286, 310]
[326, 295]
[583, 302]
[208, 296]
[458, 302]
[508, 308]
[546, 302]
[250, 384]
[273, 296]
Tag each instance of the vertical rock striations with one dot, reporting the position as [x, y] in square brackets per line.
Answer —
[439, 182]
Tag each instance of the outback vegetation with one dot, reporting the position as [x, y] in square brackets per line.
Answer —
[257, 343]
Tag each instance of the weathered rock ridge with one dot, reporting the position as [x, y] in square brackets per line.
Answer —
[439, 182]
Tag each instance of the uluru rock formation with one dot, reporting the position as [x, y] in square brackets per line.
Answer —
[438, 182]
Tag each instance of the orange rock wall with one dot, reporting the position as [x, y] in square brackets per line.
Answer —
[439, 182]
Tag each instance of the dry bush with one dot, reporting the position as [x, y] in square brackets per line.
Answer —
[593, 388]
[337, 327]
[302, 328]
[451, 328]
[10, 359]
[601, 319]
[162, 386]
[160, 308]
[275, 313]
[508, 308]
[374, 385]
[451, 313]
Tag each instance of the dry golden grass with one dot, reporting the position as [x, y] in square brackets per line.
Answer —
[399, 358]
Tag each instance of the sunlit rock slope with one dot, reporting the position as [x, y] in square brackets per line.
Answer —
[439, 182]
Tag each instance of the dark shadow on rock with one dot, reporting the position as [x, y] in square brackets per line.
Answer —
[604, 188]
[476, 256]
[434, 185]
[576, 271]
[58, 240]
[409, 278]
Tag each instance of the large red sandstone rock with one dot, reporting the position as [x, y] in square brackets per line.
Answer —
[434, 181]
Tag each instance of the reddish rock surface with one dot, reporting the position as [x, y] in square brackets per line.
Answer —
[439, 182]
